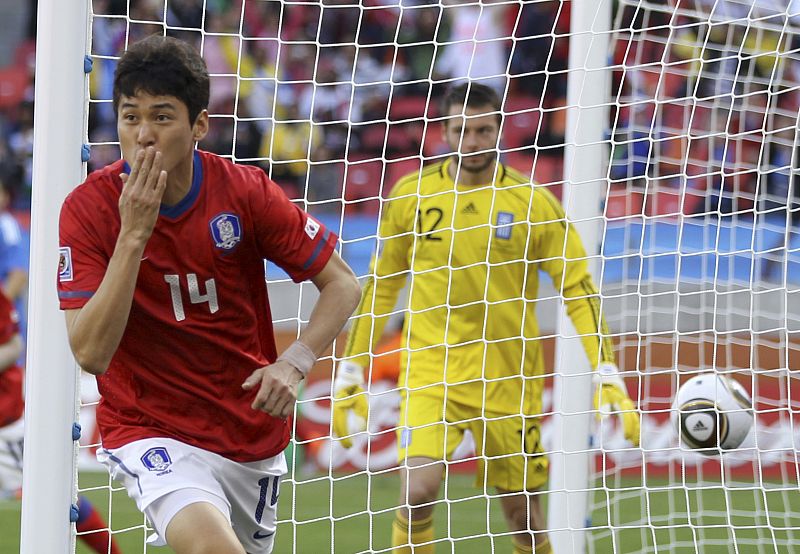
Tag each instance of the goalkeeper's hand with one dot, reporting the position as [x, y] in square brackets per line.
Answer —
[349, 397]
[612, 398]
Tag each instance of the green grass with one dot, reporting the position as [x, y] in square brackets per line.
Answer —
[354, 513]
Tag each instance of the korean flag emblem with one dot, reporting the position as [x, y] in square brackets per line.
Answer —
[226, 231]
[312, 227]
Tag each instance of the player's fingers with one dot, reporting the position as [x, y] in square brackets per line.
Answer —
[269, 399]
[632, 426]
[124, 178]
[260, 401]
[285, 400]
[144, 168]
[286, 409]
[137, 164]
[153, 173]
[161, 184]
[361, 406]
[340, 428]
[254, 377]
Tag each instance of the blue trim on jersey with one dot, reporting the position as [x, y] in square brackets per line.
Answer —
[315, 254]
[76, 294]
[194, 191]
[125, 469]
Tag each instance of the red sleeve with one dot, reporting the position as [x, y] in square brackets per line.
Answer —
[82, 261]
[9, 319]
[288, 236]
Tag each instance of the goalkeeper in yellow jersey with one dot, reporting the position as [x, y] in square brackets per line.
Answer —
[470, 236]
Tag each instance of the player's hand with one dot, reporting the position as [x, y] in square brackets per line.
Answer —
[612, 398]
[278, 392]
[142, 191]
[349, 398]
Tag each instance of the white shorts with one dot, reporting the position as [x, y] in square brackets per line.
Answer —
[246, 493]
[11, 437]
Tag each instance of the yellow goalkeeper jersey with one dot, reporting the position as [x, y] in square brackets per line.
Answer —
[472, 256]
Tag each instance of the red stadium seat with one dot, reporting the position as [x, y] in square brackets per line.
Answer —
[521, 161]
[13, 84]
[363, 183]
[433, 144]
[410, 107]
[623, 203]
[397, 169]
[548, 169]
[521, 121]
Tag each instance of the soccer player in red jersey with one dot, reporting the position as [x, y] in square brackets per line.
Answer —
[161, 276]
[91, 527]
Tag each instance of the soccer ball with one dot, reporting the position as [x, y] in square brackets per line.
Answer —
[712, 413]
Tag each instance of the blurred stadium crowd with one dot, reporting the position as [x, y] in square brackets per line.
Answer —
[337, 98]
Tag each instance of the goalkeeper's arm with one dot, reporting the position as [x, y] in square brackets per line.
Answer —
[611, 397]
[564, 259]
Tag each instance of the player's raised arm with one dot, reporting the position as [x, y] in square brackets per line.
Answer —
[96, 329]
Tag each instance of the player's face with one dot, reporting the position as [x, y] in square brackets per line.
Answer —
[161, 122]
[473, 137]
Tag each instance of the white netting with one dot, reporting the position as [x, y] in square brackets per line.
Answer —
[338, 99]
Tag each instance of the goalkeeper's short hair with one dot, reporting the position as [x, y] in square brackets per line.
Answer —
[163, 66]
[474, 95]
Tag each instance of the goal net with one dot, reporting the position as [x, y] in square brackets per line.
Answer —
[695, 255]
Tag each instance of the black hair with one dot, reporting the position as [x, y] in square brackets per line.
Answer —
[473, 95]
[163, 66]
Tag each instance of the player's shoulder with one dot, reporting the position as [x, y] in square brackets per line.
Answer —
[101, 184]
[517, 187]
[544, 205]
[421, 181]
[233, 177]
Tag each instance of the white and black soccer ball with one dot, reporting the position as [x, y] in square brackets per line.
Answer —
[712, 413]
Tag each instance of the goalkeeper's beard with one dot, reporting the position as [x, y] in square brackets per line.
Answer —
[490, 160]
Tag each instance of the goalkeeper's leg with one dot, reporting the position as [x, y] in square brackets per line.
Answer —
[420, 481]
[523, 513]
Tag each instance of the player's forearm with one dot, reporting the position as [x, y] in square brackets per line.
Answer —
[96, 330]
[10, 352]
[583, 308]
[337, 300]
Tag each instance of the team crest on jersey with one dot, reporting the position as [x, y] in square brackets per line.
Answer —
[64, 264]
[157, 459]
[226, 231]
[504, 222]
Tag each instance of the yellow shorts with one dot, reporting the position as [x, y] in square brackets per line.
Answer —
[508, 447]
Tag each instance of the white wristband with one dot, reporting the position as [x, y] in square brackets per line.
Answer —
[348, 374]
[299, 356]
[608, 374]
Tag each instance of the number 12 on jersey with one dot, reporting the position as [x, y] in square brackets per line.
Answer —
[195, 297]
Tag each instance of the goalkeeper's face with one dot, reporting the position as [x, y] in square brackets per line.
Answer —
[161, 122]
[473, 135]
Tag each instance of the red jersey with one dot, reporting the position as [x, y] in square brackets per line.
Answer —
[200, 322]
[11, 402]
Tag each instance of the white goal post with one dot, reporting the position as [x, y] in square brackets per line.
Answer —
[49, 477]
[585, 171]
[669, 131]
